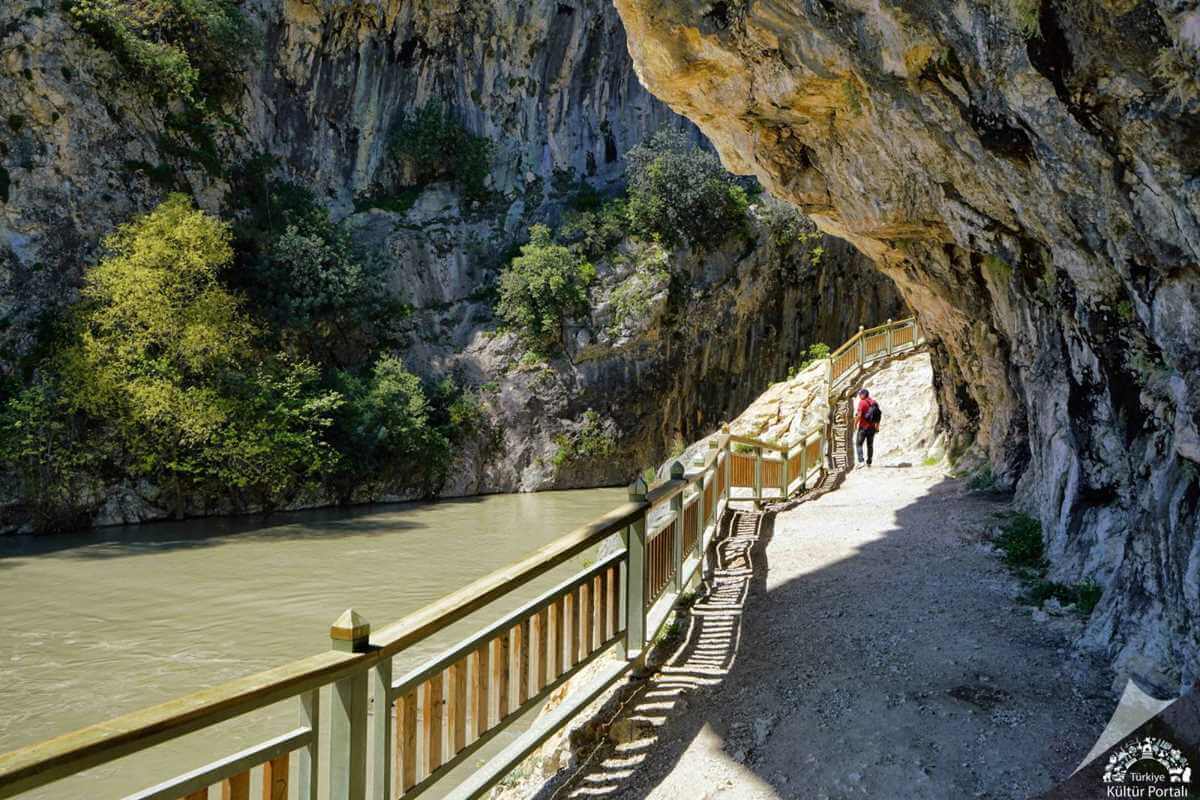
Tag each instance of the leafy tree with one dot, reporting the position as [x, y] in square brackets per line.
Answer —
[301, 272]
[163, 358]
[386, 425]
[680, 193]
[597, 230]
[542, 288]
[433, 144]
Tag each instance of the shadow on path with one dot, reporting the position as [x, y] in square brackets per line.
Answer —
[881, 663]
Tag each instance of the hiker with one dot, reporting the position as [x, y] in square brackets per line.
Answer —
[866, 419]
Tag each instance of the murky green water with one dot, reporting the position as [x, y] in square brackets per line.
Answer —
[105, 623]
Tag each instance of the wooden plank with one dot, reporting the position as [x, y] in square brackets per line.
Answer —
[521, 662]
[199, 794]
[540, 630]
[571, 629]
[586, 615]
[456, 707]
[480, 675]
[500, 671]
[406, 740]
[600, 605]
[431, 725]
[555, 667]
[275, 779]
[613, 577]
[237, 787]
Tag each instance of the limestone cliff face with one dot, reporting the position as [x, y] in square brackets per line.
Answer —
[669, 349]
[1031, 180]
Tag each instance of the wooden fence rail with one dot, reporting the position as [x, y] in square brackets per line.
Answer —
[441, 713]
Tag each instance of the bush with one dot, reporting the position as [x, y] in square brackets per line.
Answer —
[192, 51]
[590, 440]
[1021, 541]
[163, 359]
[597, 231]
[542, 288]
[434, 145]
[49, 450]
[680, 193]
[301, 273]
[386, 425]
[816, 352]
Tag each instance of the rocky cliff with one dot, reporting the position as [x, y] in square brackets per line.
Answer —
[675, 340]
[1027, 172]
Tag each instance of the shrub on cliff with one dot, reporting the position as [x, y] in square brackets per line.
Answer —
[542, 288]
[433, 144]
[323, 299]
[680, 193]
[192, 51]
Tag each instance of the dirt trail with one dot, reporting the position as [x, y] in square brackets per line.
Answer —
[864, 644]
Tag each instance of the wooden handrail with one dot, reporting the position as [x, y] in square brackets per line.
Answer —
[44, 762]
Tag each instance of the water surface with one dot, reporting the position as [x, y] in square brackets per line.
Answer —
[107, 622]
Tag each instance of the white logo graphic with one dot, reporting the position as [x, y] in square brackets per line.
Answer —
[1160, 751]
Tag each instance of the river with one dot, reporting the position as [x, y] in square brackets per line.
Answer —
[103, 623]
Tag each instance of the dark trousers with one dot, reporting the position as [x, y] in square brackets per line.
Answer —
[865, 435]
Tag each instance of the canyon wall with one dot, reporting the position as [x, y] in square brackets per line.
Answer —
[1029, 175]
[664, 354]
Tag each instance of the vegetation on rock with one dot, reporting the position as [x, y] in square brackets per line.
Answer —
[166, 375]
[679, 193]
[542, 288]
[191, 51]
[433, 145]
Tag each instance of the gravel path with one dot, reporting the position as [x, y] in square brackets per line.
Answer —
[864, 644]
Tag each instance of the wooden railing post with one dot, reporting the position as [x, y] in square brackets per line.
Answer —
[887, 339]
[308, 771]
[381, 731]
[728, 466]
[862, 348]
[786, 471]
[677, 527]
[757, 476]
[348, 714]
[635, 581]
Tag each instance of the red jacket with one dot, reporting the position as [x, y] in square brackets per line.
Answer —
[863, 404]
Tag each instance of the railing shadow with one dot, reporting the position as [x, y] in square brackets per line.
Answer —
[857, 678]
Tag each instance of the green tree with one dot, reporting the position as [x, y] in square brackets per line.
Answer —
[542, 288]
[299, 269]
[680, 193]
[53, 455]
[164, 357]
[386, 429]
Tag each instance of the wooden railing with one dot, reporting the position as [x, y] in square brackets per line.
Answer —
[774, 472]
[440, 714]
[869, 345]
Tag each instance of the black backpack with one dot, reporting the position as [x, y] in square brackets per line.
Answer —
[874, 413]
